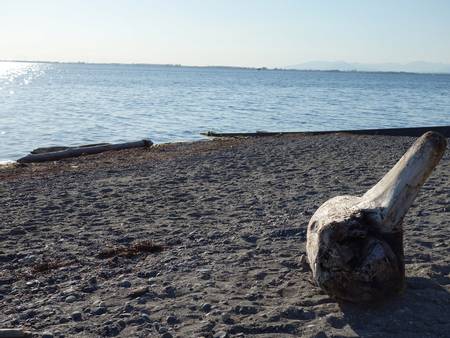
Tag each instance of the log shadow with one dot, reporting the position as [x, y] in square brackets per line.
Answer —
[422, 310]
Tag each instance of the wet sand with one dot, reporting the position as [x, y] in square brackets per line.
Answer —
[230, 217]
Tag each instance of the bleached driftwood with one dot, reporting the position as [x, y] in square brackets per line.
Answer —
[82, 150]
[355, 244]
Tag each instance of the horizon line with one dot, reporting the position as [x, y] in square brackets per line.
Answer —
[285, 68]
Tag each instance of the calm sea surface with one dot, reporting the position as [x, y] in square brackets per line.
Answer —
[72, 104]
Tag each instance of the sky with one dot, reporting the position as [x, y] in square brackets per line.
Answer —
[271, 33]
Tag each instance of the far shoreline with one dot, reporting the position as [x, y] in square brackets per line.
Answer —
[263, 68]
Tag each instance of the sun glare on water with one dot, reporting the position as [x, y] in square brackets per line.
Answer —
[14, 77]
[14, 74]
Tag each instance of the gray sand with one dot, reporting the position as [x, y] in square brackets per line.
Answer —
[232, 216]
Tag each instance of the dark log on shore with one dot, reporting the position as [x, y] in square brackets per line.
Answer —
[59, 148]
[414, 132]
[40, 155]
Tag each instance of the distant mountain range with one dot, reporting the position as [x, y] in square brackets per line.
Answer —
[411, 67]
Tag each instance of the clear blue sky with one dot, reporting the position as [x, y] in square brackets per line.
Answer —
[226, 32]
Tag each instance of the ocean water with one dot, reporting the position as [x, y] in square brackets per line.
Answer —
[45, 104]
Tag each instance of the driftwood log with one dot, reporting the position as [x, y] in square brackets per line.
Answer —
[414, 132]
[40, 155]
[355, 244]
[59, 148]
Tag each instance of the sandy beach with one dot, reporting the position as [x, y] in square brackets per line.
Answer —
[208, 239]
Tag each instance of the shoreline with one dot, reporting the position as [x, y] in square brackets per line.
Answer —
[156, 152]
[407, 131]
[230, 215]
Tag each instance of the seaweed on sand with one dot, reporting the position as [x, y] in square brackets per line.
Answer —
[133, 250]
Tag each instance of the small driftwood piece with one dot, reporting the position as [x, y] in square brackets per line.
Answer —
[15, 333]
[355, 244]
[40, 156]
